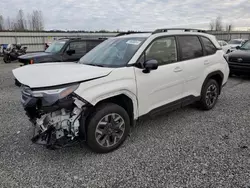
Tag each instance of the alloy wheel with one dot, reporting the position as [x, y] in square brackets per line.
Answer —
[110, 130]
[211, 95]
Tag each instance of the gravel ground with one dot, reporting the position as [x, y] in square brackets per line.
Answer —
[184, 148]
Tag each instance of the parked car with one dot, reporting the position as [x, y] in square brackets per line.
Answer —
[224, 45]
[234, 44]
[62, 50]
[239, 60]
[118, 82]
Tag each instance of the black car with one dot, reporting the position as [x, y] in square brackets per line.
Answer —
[62, 50]
[239, 60]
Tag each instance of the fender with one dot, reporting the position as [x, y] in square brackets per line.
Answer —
[120, 81]
[129, 94]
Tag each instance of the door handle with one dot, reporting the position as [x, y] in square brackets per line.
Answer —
[206, 62]
[177, 69]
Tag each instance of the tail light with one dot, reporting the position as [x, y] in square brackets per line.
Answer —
[31, 61]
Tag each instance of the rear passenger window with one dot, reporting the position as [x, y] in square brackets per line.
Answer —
[92, 44]
[79, 46]
[209, 47]
[190, 47]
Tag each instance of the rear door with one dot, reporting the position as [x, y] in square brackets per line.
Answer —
[80, 48]
[196, 54]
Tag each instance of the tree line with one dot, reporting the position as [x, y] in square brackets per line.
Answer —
[217, 25]
[29, 22]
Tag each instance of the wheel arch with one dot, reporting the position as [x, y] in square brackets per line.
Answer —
[124, 101]
[216, 75]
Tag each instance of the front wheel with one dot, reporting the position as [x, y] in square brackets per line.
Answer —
[108, 128]
[209, 94]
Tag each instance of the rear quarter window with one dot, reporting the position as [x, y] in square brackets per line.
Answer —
[208, 46]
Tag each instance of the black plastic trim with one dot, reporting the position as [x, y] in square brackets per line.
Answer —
[213, 74]
[172, 106]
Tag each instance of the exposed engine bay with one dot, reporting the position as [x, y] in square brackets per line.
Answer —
[56, 118]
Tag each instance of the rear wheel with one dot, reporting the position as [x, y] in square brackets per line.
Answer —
[209, 94]
[107, 128]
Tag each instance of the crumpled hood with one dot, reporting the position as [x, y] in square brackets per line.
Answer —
[34, 55]
[53, 74]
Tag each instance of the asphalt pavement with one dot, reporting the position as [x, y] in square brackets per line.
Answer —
[184, 148]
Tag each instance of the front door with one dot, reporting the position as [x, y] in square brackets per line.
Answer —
[164, 85]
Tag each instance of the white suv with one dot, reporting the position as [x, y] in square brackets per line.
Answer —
[120, 80]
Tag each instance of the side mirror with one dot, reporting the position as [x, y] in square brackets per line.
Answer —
[70, 52]
[237, 47]
[150, 65]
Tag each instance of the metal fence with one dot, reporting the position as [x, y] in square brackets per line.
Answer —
[227, 36]
[35, 41]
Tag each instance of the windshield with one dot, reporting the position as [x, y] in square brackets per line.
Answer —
[114, 52]
[55, 47]
[246, 46]
[235, 42]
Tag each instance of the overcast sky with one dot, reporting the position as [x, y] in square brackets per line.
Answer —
[131, 14]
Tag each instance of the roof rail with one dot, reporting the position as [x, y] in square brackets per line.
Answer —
[178, 29]
[130, 32]
[79, 38]
[70, 38]
[103, 38]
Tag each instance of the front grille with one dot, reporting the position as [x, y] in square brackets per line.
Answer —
[239, 60]
[25, 61]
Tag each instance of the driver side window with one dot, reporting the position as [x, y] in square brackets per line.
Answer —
[163, 50]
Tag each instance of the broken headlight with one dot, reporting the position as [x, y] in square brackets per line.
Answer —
[50, 96]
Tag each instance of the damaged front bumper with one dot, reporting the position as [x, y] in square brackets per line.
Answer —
[56, 124]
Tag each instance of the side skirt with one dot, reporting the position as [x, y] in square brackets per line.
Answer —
[171, 106]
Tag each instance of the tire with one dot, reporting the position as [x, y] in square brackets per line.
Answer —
[206, 103]
[6, 59]
[100, 121]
